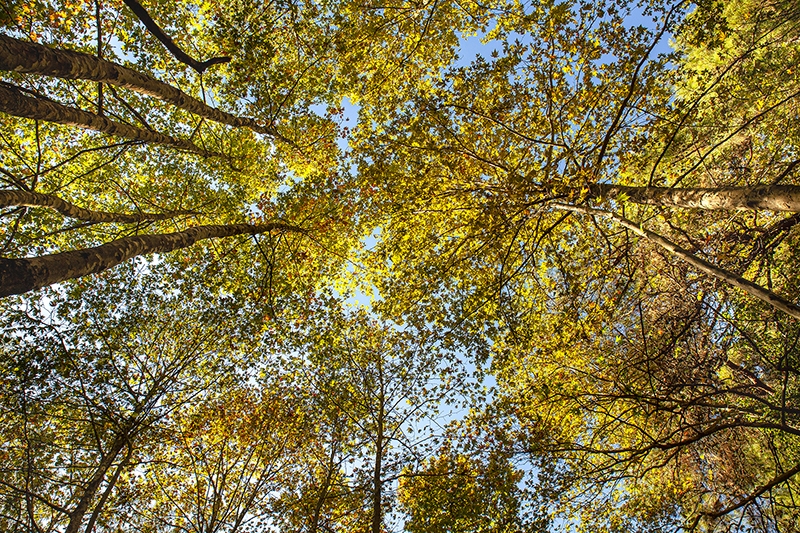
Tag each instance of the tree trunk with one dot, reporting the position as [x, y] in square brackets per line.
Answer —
[18, 276]
[107, 492]
[33, 58]
[324, 489]
[757, 291]
[377, 488]
[14, 102]
[377, 473]
[76, 516]
[767, 197]
[34, 199]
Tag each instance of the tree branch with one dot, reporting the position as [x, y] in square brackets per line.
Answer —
[757, 291]
[21, 56]
[14, 102]
[169, 44]
[786, 476]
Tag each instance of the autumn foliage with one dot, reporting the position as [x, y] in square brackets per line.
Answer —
[421, 266]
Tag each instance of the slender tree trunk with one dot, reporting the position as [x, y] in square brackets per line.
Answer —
[14, 102]
[18, 276]
[33, 58]
[767, 197]
[35, 199]
[757, 291]
[324, 489]
[377, 481]
[76, 516]
[107, 492]
[377, 488]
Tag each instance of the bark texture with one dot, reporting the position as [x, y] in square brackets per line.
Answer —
[18, 276]
[757, 291]
[14, 102]
[35, 199]
[20, 56]
[767, 197]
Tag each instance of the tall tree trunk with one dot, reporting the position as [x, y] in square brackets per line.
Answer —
[377, 484]
[18, 276]
[767, 197]
[89, 491]
[14, 102]
[107, 492]
[380, 444]
[33, 58]
[757, 291]
[35, 199]
[324, 489]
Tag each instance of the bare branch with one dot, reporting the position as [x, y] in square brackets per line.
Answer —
[169, 44]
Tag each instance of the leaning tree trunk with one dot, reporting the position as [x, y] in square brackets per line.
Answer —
[35, 199]
[14, 102]
[90, 489]
[33, 58]
[767, 197]
[18, 276]
[731, 278]
[100, 506]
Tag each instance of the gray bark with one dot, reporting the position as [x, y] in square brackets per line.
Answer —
[20, 56]
[767, 197]
[18, 276]
[757, 291]
[14, 102]
[10, 198]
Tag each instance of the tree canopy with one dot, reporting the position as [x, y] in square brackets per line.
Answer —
[403, 266]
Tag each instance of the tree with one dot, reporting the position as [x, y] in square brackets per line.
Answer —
[605, 227]
[86, 391]
[454, 492]
[9, 198]
[16, 103]
[479, 173]
[220, 464]
[19, 56]
[377, 389]
[508, 162]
